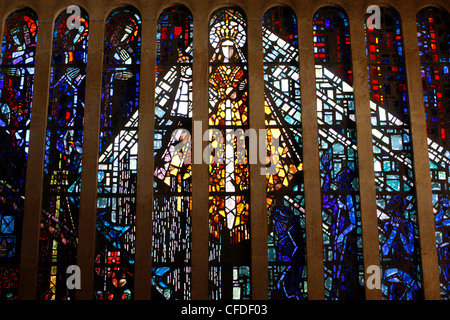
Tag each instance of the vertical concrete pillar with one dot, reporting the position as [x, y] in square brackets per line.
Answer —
[200, 177]
[88, 200]
[313, 201]
[258, 211]
[144, 207]
[369, 220]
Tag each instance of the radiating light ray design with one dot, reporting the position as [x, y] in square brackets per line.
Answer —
[383, 144]
[380, 141]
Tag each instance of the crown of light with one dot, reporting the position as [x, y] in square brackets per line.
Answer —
[227, 31]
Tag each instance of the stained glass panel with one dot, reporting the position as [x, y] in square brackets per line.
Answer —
[16, 94]
[285, 189]
[172, 187]
[394, 176]
[62, 163]
[341, 221]
[229, 196]
[433, 31]
[117, 162]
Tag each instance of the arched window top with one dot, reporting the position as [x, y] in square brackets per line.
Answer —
[390, 21]
[122, 36]
[330, 17]
[386, 42]
[439, 10]
[124, 10]
[67, 40]
[231, 12]
[68, 16]
[283, 21]
[174, 35]
[334, 9]
[331, 36]
[20, 37]
[434, 35]
[280, 35]
[434, 16]
[228, 36]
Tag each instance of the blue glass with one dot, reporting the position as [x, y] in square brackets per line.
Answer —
[434, 42]
[341, 222]
[117, 162]
[394, 177]
[16, 95]
[285, 189]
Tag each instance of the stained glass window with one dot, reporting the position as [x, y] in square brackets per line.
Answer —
[395, 187]
[172, 186]
[16, 93]
[433, 30]
[341, 222]
[117, 161]
[229, 194]
[285, 189]
[62, 164]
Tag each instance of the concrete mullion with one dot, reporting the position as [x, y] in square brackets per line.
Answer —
[313, 201]
[369, 220]
[258, 211]
[88, 198]
[144, 226]
[200, 177]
